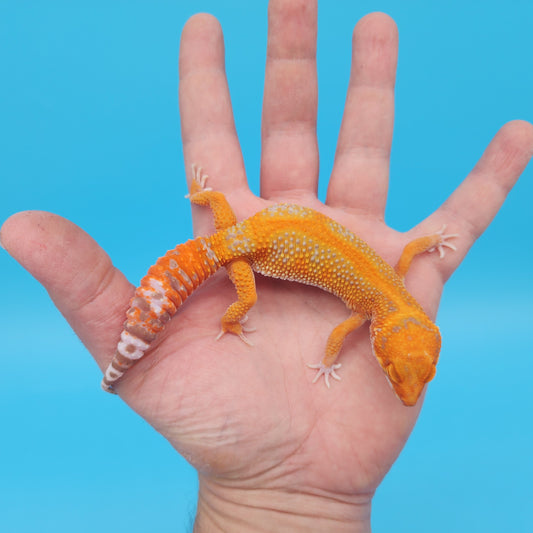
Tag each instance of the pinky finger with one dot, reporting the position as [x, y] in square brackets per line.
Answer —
[472, 206]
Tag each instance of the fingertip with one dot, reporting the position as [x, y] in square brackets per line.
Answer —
[508, 153]
[519, 135]
[201, 23]
[45, 244]
[5, 230]
[18, 227]
[375, 51]
[202, 43]
[377, 24]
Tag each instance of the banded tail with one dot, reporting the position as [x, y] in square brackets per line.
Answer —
[161, 292]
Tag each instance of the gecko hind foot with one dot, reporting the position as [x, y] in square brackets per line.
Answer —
[326, 371]
[443, 242]
[240, 332]
[198, 181]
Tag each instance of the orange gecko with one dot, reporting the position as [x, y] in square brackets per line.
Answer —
[295, 243]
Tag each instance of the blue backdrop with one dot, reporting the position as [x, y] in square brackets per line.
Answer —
[88, 114]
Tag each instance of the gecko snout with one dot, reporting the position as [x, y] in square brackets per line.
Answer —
[409, 378]
[408, 350]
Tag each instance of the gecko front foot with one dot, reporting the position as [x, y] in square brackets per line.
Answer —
[443, 242]
[326, 371]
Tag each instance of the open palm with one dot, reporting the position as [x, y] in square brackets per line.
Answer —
[249, 417]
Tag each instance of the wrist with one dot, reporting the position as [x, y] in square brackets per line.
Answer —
[224, 508]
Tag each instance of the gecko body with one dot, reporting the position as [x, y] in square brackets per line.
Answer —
[295, 243]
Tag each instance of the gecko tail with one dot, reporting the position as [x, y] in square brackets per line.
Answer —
[168, 283]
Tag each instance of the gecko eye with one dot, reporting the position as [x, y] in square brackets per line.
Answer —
[432, 373]
[393, 374]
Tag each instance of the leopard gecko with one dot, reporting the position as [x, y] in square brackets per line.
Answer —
[295, 243]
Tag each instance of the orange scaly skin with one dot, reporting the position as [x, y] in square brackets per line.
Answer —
[294, 243]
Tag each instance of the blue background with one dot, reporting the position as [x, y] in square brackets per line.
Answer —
[88, 115]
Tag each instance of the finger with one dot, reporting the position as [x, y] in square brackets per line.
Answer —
[289, 159]
[360, 174]
[208, 128]
[473, 205]
[90, 293]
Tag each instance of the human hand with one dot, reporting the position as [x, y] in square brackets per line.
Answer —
[268, 445]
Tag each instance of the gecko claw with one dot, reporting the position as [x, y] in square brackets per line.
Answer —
[326, 371]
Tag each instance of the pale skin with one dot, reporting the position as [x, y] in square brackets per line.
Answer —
[249, 417]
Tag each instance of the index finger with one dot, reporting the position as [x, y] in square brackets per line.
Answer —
[208, 129]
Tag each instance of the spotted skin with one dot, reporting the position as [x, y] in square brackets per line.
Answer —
[294, 243]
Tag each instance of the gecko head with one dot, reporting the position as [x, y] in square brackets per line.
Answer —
[407, 349]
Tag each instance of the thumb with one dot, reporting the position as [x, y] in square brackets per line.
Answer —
[79, 276]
